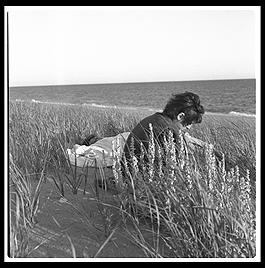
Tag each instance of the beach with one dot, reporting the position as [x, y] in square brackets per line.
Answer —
[71, 222]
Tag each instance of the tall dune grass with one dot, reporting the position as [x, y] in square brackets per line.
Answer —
[204, 211]
[197, 212]
[23, 208]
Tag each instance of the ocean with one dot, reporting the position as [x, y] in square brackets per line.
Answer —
[237, 96]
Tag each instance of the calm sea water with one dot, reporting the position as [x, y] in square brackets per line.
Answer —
[217, 96]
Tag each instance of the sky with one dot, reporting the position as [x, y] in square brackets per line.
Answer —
[87, 45]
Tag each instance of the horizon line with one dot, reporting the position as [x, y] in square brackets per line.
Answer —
[136, 82]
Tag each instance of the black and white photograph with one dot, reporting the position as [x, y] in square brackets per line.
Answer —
[132, 133]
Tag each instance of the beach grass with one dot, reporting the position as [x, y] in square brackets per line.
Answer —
[182, 221]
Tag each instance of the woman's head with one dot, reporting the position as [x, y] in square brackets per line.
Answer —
[184, 107]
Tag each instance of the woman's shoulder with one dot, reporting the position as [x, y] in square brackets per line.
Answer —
[156, 118]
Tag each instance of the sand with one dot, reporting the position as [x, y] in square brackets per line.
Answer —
[77, 218]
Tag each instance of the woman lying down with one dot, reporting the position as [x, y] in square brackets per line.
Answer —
[100, 152]
[180, 113]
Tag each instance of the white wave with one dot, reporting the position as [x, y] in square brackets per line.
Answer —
[102, 106]
[113, 106]
[36, 101]
[48, 102]
[241, 114]
[154, 110]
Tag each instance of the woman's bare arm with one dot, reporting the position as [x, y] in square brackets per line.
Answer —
[189, 139]
[194, 141]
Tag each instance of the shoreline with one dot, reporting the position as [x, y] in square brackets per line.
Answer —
[132, 109]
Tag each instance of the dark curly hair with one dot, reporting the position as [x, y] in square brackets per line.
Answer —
[90, 139]
[189, 104]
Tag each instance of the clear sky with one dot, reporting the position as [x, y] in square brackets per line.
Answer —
[82, 45]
